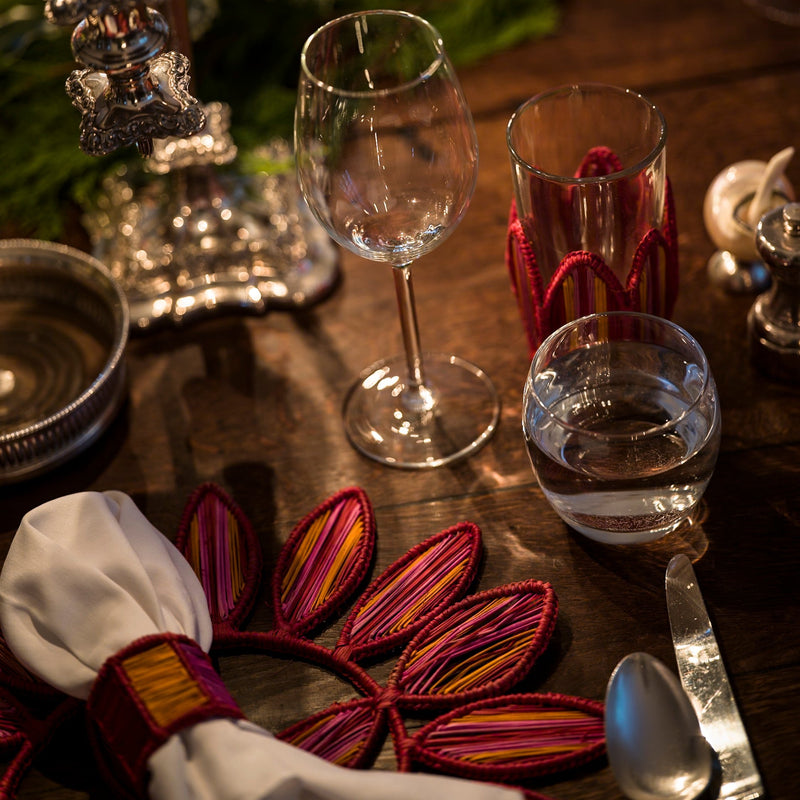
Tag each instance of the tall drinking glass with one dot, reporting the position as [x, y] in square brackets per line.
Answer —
[387, 159]
[594, 230]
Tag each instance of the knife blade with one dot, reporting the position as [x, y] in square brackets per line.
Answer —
[705, 680]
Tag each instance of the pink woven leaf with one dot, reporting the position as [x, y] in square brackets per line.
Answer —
[513, 738]
[480, 646]
[324, 560]
[216, 538]
[412, 590]
[347, 734]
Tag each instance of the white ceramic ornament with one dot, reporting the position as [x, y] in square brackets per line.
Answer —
[735, 201]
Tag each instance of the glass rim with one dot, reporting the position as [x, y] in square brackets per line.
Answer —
[424, 75]
[655, 430]
[590, 179]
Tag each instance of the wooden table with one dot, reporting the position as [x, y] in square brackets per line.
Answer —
[253, 403]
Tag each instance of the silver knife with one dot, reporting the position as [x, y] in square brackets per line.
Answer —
[704, 679]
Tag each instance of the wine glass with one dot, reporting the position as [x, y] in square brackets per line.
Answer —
[387, 159]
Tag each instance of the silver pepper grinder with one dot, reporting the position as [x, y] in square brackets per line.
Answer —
[774, 319]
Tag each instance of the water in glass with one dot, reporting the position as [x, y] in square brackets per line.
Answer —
[623, 438]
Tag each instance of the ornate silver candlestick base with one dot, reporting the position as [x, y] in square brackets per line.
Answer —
[198, 239]
[184, 233]
[130, 91]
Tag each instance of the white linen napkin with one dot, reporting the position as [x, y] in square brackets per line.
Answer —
[85, 576]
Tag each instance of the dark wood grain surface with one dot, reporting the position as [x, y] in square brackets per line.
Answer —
[253, 403]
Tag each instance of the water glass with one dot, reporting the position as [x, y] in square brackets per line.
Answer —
[622, 424]
[592, 226]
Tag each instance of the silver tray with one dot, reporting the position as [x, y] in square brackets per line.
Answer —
[63, 331]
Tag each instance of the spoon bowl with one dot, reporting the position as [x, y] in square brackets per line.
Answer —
[655, 747]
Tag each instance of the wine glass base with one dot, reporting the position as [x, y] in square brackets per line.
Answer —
[382, 422]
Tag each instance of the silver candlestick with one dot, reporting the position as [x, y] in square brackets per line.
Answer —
[184, 231]
[129, 91]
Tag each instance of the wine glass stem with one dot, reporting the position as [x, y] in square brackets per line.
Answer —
[417, 396]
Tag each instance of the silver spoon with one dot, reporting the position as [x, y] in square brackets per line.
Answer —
[653, 739]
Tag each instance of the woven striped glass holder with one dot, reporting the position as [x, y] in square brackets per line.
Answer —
[592, 223]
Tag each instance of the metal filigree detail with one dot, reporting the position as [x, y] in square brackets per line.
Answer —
[114, 114]
[196, 241]
[69, 12]
[213, 144]
[129, 92]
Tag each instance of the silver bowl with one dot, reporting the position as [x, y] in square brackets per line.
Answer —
[63, 330]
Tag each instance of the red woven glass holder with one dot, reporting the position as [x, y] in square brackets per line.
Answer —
[583, 283]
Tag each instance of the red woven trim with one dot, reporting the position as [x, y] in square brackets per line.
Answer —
[599, 161]
[401, 741]
[130, 719]
[27, 724]
[582, 260]
[526, 281]
[544, 310]
[17, 768]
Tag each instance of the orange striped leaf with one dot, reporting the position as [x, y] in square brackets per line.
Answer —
[216, 538]
[346, 734]
[324, 560]
[411, 591]
[481, 645]
[513, 738]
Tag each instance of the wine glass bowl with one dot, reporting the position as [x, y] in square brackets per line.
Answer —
[386, 147]
[387, 159]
